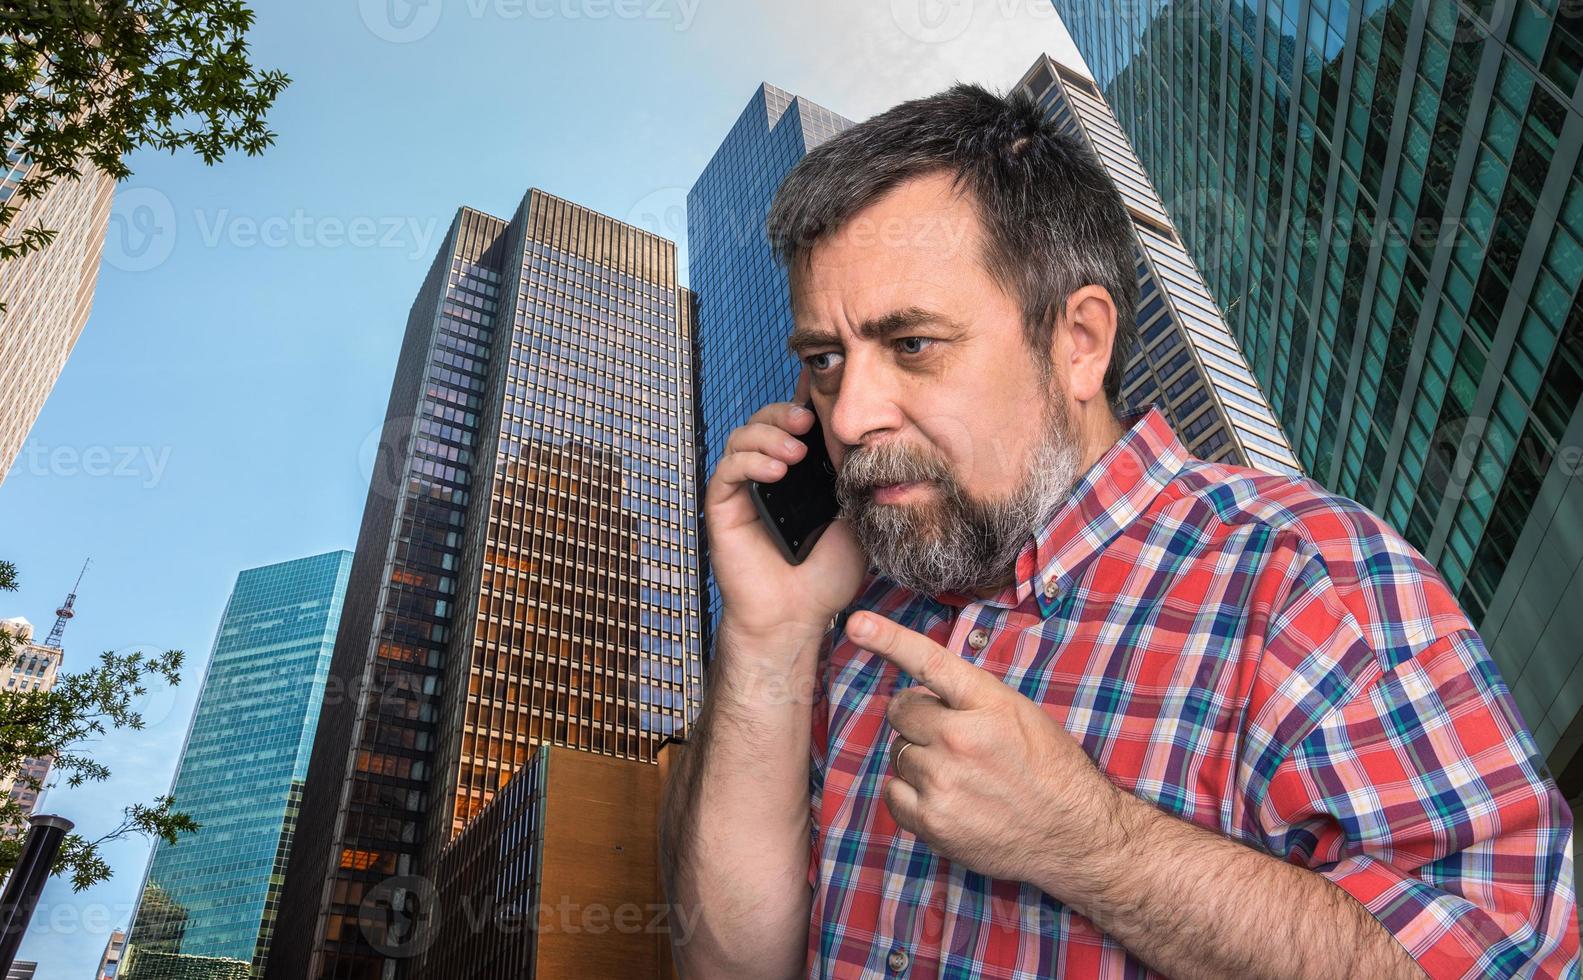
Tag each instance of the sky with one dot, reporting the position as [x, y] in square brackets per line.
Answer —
[220, 409]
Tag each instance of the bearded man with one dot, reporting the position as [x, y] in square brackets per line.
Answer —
[1052, 697]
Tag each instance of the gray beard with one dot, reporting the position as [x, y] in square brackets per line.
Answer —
[952, 543]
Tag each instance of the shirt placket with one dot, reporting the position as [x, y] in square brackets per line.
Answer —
[899, 956]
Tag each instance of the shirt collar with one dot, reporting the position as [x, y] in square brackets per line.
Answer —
[1114, 493]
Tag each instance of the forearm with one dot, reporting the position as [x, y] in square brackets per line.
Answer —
[1193, 903]
[734, 825]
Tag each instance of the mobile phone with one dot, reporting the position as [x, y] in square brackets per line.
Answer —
[800, 505]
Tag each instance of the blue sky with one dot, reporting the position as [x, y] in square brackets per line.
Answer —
[217, 412]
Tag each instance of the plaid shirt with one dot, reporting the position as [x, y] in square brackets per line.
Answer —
[1244, 651]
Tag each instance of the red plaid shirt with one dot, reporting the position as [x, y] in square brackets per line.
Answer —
[1246, 652]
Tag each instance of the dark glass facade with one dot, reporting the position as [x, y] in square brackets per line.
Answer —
[526, 570]
[1386, 200]
[1187, 362]
[216, 893]
[743, 309]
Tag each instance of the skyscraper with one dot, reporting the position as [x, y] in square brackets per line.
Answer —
[526, 572]
[744, 316]
[1186, 361]
[47, 294]
[215, 893]
[1386, 198]
[110, 959]
[34, 666]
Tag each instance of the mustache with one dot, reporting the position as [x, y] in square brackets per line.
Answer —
[864, 469]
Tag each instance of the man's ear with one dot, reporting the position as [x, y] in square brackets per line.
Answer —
[1083, 341]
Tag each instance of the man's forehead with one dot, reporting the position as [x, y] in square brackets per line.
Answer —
[881, 288]
[897, 263]
[901, 229]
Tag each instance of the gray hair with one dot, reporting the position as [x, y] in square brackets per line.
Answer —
[1053, 219]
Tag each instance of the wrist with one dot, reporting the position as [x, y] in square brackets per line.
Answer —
[783, 645]
[766, 669]
[1103, 863]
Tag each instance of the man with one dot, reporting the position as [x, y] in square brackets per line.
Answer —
[1089, 706]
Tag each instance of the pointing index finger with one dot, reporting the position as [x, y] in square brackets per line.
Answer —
[958, 683]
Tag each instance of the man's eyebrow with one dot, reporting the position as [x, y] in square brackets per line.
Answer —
[893, 322]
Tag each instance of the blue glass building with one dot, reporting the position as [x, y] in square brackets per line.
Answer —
[744, 314]
[1386, 199]
[215, 893]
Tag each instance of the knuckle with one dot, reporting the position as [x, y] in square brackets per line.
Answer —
[896, 709]
[945, 736]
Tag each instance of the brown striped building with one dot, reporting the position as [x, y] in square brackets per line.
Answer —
[525, 576]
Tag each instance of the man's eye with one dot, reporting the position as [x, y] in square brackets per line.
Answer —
[813, 359]
[910, 340]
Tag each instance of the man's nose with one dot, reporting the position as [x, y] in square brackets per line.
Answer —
[865, 404]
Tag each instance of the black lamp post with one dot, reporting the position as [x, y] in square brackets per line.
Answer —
[27, 879]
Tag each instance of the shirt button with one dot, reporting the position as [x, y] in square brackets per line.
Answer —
[1049, 589]
[978, 639]
[897, 960]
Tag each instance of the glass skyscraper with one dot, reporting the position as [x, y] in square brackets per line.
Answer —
[743, 310]
[215, 893]
[1386, 199]
[1187, 362]
[526, 572]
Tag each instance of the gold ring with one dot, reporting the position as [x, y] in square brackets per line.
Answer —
[896, 762]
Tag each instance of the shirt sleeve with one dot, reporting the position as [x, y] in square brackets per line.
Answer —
[1425, 798]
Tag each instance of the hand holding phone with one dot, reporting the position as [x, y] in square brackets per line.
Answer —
[800, 505]
[775, 466]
